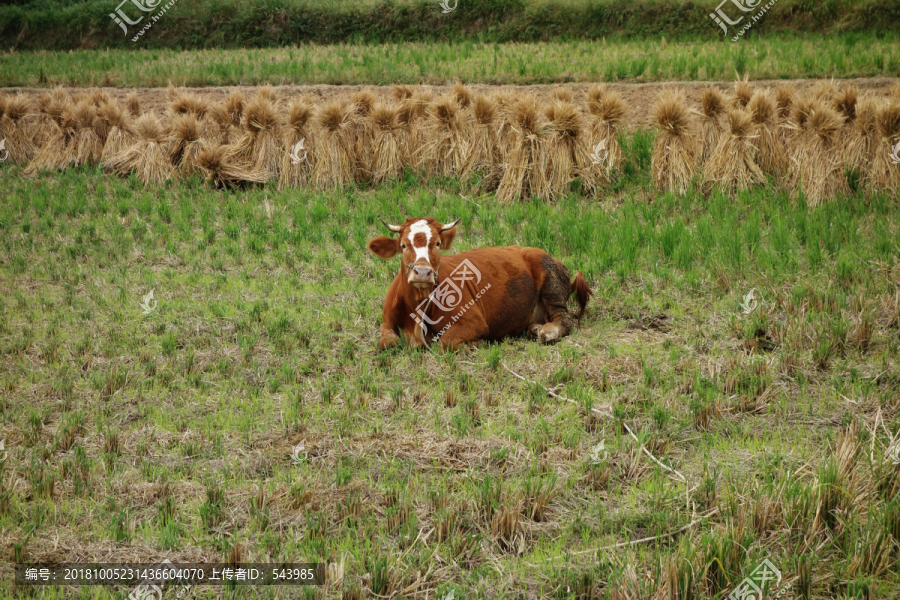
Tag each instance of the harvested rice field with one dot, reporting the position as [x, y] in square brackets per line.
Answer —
[190, 366]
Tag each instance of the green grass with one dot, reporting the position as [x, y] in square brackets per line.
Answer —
[63, 25]
[770, 57]
[172, 432]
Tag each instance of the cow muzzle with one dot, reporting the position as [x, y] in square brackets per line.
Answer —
[421, 276]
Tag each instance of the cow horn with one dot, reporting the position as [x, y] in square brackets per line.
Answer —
[394, 228]
[451, 225]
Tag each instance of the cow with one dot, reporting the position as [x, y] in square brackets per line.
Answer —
[483, 294]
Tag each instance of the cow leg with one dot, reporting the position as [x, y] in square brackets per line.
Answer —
[538, 320]
[555, 293]
[389, 338]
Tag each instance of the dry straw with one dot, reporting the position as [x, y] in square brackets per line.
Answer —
[784, 101]
[85, 146]
[884, 174]
[731, 166]
[446, 144]
[569, 153]
[504, 101]
[219, 128]
[16, 118]
[334, 156]
[484, 155]
[185, 143]
[363, 133]
[824, 90]
[771, 156]
[863, 138]
[387, 161]
[742, 93]
[526, 169]
[133, 104]
[260, 147]
[219, 169]
[674, 151]
[402, 92]
[234, 106]
[53, 138]
[608, 109]
[296, 164]
[463, 95]
[148, 157]
[118, 124]
[712, 122]
[819, 169]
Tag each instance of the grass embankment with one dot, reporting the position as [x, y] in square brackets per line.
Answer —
[772, 57]
[139, 436]
[59, 25]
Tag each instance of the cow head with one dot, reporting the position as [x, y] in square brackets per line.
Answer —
[419, 243]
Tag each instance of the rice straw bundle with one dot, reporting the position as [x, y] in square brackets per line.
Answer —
[54, 136]
[260, 149]
[295, 170]
[784, 100]
[101, 97]
[387, 161]
[820, 170]
[562, 94]
[742, 93]
[219, 127]
[771, 155]
[133, 104]
[504, 101]
[484, 151]
[844, 102]
[884, 174]
[526, 169]
[569, 155]
[148, 157]
[608, 109]
[363, 131]
[51, 114]
[16, 116]
[447, 140]
[412, 116]
[118, 124]
[731, 165]
[216, 164]
[185, 143]
[402, 92]
[712, 125]
[462, 94]
[824, 90]
[863, 138]
[674, 151]
[85, 145]
[334, 160]
[894, 91]
[406, 121]
[79, 97]
[188, 103]
[234, 105]
[267, 92]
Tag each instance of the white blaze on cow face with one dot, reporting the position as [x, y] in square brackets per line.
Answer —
[421, 251]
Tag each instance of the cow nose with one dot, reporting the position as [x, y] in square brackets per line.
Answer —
[423, 272]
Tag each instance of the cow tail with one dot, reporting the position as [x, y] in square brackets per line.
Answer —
[582, 293]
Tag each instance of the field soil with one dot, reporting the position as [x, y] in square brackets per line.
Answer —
[638, 96]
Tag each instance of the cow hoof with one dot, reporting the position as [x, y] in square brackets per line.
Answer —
[388, 339]
[534, 330]
[549, 333]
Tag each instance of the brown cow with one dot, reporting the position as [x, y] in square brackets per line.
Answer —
[483, 294]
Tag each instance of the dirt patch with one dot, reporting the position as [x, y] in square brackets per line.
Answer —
[638, 97]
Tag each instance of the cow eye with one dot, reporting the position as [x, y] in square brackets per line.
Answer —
[438, 243]
[403, 246]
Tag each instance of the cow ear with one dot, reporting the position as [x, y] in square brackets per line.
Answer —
[447, 238]
[384, 246]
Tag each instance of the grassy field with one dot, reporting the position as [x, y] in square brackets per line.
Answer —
[771, 57]
[729, 436]
[67, 25]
